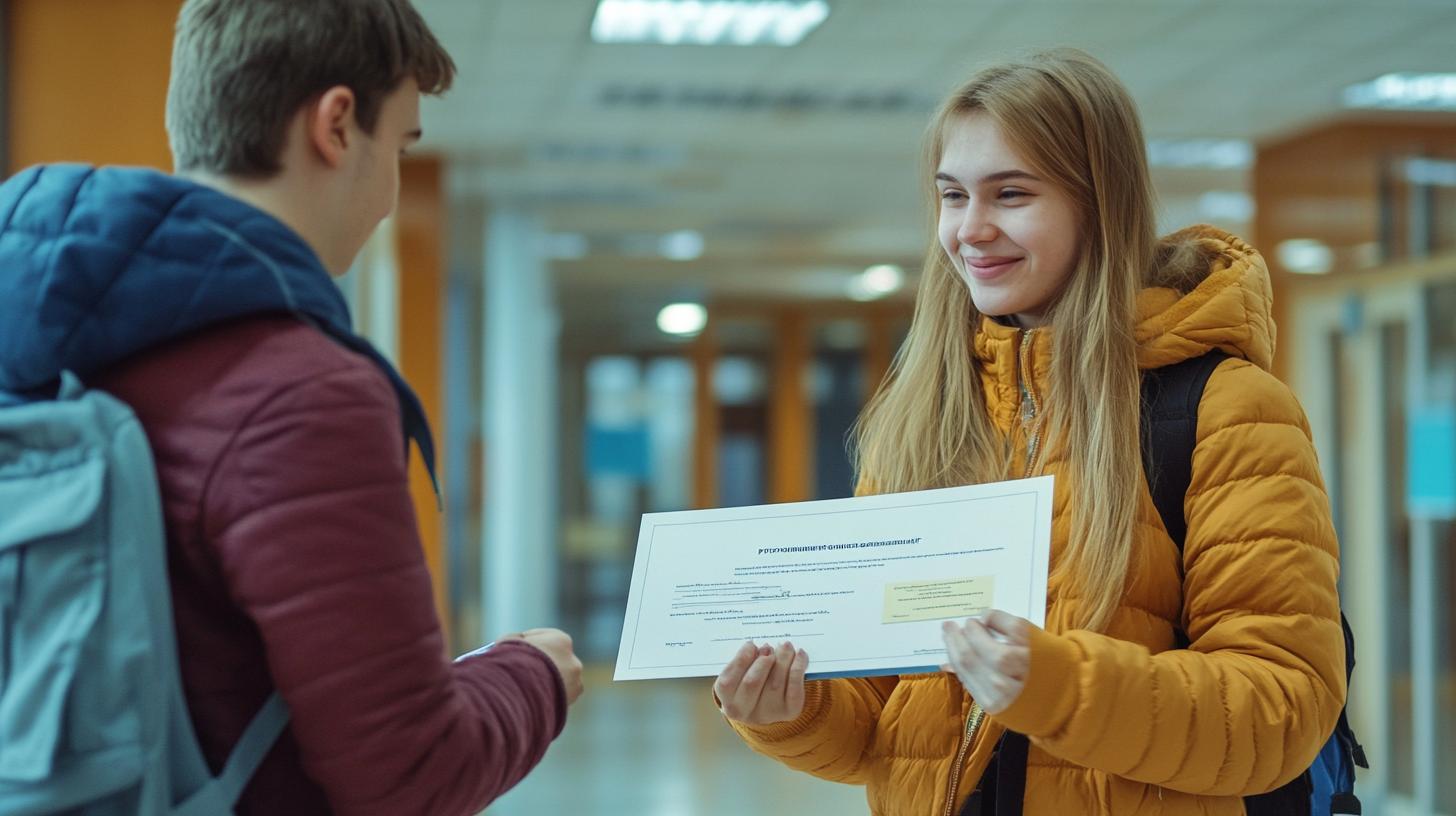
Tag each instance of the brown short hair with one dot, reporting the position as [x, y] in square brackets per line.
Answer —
[241, 69]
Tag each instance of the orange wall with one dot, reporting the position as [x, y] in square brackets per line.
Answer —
[420, 240]
[791, 417]
[1324, 183]
[87, 81]
[706, 425]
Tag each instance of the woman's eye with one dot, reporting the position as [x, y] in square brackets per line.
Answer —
[1007, 195]
[951, 195]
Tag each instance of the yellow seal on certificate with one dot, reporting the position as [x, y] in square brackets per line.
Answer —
[940, 599]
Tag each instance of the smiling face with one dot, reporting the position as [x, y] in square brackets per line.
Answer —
[1011, 235]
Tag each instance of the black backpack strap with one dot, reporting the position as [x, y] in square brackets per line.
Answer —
[1011, 774]
[1169, 431]
[1346, 734]
[1293, 799]
[1002, 791]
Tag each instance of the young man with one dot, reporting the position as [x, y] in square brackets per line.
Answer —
[204, 302]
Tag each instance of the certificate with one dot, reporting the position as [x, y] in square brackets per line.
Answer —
[862, 584]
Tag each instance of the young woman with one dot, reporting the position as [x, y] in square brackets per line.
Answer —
[1046, 296]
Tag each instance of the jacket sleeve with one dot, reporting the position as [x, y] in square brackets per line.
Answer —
[831, 737]
[1248, 705]
[310, 516]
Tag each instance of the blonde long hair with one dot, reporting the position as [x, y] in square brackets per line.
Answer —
[928, 425]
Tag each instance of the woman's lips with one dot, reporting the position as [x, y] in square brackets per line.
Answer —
[989, 268]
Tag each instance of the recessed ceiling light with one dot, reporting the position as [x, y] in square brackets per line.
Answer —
[1405, 92]
[707, 22]
[683, 245]
[1218, 154]
[682, 319]
[884, 278]
[1305, 256]
[1227, 205]
[876, 282]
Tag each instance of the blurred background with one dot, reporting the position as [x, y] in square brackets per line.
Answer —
[655, 255]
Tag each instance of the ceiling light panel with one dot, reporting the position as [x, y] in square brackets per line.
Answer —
[1404, 92]
[707, 22]
[1216, 154]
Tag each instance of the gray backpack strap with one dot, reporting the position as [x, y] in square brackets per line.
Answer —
[221, 794]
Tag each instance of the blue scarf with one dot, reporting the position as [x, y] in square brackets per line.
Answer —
[97, 265]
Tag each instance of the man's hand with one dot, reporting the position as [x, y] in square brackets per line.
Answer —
[557, 646]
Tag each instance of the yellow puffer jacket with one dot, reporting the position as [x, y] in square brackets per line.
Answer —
[1123, 723]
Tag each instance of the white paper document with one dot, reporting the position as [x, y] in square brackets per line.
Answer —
[862, 584]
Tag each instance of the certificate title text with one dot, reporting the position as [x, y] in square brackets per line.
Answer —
[854, 545]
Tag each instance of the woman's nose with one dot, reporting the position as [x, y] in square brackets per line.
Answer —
[975, 227]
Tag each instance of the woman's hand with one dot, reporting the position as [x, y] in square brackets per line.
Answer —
[761, 685]
[991, 655]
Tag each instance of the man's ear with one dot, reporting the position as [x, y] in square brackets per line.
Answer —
[330, 124]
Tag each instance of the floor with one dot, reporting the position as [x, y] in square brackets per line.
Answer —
[659, 748]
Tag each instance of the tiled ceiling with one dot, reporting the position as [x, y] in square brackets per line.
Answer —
[796, 162]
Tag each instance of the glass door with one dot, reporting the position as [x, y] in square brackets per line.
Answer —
[1359, 365]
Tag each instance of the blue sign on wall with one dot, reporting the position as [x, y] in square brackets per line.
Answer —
[1431, 462]
[617, 452]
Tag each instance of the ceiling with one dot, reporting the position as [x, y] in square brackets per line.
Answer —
[799, 165]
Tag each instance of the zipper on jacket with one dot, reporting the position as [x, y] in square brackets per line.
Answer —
[1030, 407]
[973, 723]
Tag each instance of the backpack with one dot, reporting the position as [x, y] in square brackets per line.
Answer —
[1169, 428]
[92, 717]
